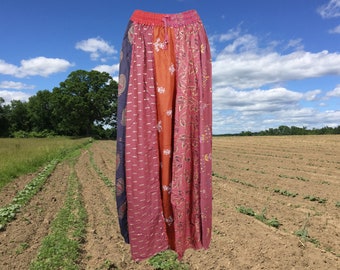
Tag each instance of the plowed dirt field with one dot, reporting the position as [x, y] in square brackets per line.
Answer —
[293, 180]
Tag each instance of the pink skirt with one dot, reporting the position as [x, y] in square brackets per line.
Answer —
[164, 135]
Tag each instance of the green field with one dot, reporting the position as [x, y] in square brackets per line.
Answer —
[22, 156]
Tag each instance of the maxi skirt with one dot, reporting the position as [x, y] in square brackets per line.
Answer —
[164, 134]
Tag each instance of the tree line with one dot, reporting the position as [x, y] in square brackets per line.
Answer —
[286, 130]
[85, 104]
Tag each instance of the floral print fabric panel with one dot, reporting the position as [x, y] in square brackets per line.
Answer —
[191, 170]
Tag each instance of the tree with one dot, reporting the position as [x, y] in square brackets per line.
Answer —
[284, 130]
[40, 111]
[4, 118]
[84, 102]
[18, 116]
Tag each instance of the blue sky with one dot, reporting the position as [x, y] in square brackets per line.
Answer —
[274, 62]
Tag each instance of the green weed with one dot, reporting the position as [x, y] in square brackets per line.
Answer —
[273, 222]
[315, 199]
[293, 177]
[246, 211]
[108, 265]
[233, 180]
[22, 248]
[242, 182]
[285, 193]
[283, 176]
[167, 260]
[325, 183]
[219, 176]
[301, 178]
[218, 232]
[303, 232]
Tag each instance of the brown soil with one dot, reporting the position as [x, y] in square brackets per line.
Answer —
[247, 171]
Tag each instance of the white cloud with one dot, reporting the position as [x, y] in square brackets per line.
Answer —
[255, 110]
[330, 10]
[251, 69]
[39, 66]
[232, 34]
[255, 101]
[234, 120]
[335, 92]
[241, 44]
[245, 72]
[295, 44]
[243, 64]
[310, 118]
[107, 68]
[15, 85]
[335, 30]
[96, 47]
[43, 66]
[8, 96]
[312, 95]
[7, 69]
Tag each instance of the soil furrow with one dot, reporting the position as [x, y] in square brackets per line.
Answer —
[20, 242]
[305, 165]
[9, 191]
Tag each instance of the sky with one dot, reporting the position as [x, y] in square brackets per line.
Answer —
[274, 62]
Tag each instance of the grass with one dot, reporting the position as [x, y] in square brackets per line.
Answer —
[61, 248]
[22, 156]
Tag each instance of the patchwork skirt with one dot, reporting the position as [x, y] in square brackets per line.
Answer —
[164, 134]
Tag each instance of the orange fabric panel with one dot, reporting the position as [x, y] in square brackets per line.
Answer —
[165, 94]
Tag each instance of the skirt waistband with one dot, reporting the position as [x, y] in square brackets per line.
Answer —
[159, 19]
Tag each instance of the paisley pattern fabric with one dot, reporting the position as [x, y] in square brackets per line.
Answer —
[124, 75]
[164, 136]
